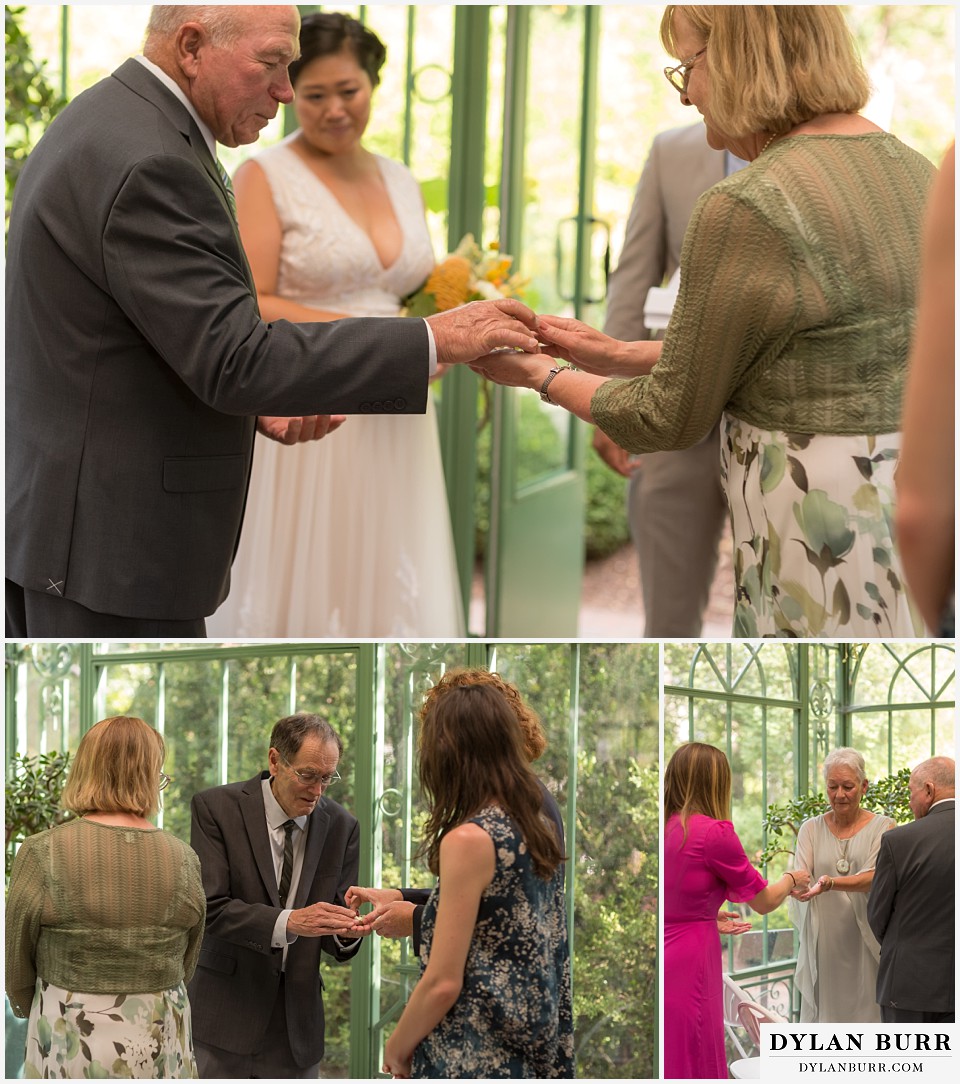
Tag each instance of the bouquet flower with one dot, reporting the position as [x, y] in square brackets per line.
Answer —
[469, 273]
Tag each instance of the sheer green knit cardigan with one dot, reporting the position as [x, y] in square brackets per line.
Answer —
[98, 909]
[797, 299]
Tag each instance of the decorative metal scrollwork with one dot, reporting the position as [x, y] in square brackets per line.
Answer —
[387, 810]
[821, 699]
[51, 661]
[426, 85]
[423, 654]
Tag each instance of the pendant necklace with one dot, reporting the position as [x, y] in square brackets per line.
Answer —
[843, 866]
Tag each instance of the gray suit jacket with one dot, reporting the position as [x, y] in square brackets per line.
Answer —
[911, 912]
[136, 361]
[235, 985]
[681, 166]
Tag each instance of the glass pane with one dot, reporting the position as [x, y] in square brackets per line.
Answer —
[617, 878]
[191, 730]
[258, 694]
[47, 710]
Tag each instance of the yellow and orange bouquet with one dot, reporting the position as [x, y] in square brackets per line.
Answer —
[469, 273]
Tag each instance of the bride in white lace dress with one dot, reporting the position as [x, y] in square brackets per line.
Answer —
[349, 536]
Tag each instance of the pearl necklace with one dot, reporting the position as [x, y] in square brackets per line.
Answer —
[767, 144]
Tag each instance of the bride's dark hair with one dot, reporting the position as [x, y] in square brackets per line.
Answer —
[471, 754]
[326, 33]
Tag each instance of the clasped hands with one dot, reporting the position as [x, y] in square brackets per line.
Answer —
[324, 919]
[392, 916]
[823, 884]
[506, 342]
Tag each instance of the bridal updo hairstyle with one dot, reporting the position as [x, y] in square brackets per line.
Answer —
[534, 739]
[327, 33]
[471, 754]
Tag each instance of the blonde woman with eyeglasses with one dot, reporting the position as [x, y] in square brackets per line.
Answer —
[104, 920]
[797, 300]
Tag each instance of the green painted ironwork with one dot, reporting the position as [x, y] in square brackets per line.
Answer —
[368, 785]
[467, 195]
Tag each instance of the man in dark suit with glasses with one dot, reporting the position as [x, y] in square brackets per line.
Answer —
[277, 857]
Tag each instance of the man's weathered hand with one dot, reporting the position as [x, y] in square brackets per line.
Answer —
[391, 919]
[322, 919]
[479, 327]
[299, 430]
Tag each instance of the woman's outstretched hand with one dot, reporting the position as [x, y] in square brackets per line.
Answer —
[824, 884]
[514, 369]
[731, 922]
[592, 351]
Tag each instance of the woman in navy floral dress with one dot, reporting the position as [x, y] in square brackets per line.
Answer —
[493, 998]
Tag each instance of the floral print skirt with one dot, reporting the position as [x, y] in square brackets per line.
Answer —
[134, 1036]
[811, 517]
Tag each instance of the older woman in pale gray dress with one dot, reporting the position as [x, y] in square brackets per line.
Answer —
[838, 957]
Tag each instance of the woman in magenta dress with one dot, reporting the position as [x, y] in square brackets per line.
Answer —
[704, 864]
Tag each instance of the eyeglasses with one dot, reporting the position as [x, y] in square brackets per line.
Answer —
[677, 77]
[165, 780]
[311, 778]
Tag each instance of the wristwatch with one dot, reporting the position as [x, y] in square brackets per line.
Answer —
[546, 384]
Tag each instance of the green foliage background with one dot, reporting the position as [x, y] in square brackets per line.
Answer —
[31, 102]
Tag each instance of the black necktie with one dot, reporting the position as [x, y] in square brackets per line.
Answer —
[287, 872]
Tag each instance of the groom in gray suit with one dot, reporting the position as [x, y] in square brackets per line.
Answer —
[277, 857]
[911, 904]
[136, 359]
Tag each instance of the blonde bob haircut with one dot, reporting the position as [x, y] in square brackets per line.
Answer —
[116, 769]
[773, 66]
[697, 780]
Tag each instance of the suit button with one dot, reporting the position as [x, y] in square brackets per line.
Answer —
[377, 406]
[400, 404]
[364, 408]
[388, 406]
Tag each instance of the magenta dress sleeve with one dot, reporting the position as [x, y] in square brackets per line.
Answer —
[727, 860]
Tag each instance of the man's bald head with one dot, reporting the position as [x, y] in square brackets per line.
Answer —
[931, 781]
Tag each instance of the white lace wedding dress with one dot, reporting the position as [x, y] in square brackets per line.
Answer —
[349, 536]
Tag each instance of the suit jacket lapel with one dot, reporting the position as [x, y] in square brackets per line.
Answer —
[255, 821]
[318, 825]
[137, 78]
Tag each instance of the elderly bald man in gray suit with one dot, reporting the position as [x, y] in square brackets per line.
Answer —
[137, 363]
[911, 907]
[675, 500]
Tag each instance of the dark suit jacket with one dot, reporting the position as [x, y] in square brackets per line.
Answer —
[136, 361]
[911, 912]
[235, 985]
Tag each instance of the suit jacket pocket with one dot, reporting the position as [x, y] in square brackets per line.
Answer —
[203, 474]
[217, 961]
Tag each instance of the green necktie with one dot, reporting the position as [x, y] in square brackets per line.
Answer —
[231, 198]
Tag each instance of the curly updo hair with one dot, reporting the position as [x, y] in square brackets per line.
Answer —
[327, 33]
